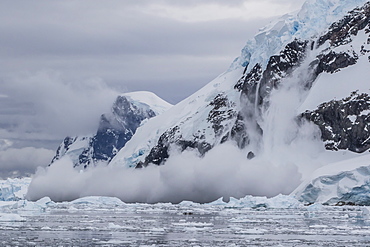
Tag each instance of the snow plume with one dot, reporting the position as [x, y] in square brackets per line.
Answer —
[223, 172]
[284, 134]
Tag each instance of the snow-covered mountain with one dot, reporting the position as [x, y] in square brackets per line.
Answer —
[317, 55]
[129, 111]
[295, 100]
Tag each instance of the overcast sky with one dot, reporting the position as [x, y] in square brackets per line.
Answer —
[63, 62]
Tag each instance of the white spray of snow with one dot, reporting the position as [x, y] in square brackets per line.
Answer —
[222, 172]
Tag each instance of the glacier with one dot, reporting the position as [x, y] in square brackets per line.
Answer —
[14, 189]
[340, 183]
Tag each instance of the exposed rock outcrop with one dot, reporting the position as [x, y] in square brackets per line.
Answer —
[344, 124]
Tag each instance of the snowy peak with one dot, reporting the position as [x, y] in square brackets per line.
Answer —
[140, 98]
[115, 128]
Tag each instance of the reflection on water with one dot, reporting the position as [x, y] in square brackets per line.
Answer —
[192, 225]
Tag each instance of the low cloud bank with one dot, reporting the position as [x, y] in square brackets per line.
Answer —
[47, 106]
[16, 162]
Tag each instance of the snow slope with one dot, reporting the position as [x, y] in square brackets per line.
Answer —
[190, 115]
[340, 85]
[314, 17]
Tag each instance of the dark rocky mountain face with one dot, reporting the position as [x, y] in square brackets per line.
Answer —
[115, 130]
[221, 114]
[344, 124]
[257, 85]
[341, 32]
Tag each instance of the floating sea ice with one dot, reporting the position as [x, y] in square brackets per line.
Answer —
[38, 206]
[114, 226]
[279, 201]
[11, 217]
[99, 200]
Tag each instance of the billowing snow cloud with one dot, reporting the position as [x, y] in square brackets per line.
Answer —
[184, 177]
[224, 171]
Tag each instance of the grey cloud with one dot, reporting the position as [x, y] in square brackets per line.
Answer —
[23, 161]
[112, 40]
[43, 105]
[145, 36]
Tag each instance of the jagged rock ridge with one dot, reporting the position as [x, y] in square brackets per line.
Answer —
[115, 130]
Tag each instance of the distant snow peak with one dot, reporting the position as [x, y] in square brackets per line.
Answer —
[115, 128]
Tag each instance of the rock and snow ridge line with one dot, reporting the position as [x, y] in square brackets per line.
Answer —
[129, 111]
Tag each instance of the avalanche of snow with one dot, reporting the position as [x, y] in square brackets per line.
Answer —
[20, 186]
